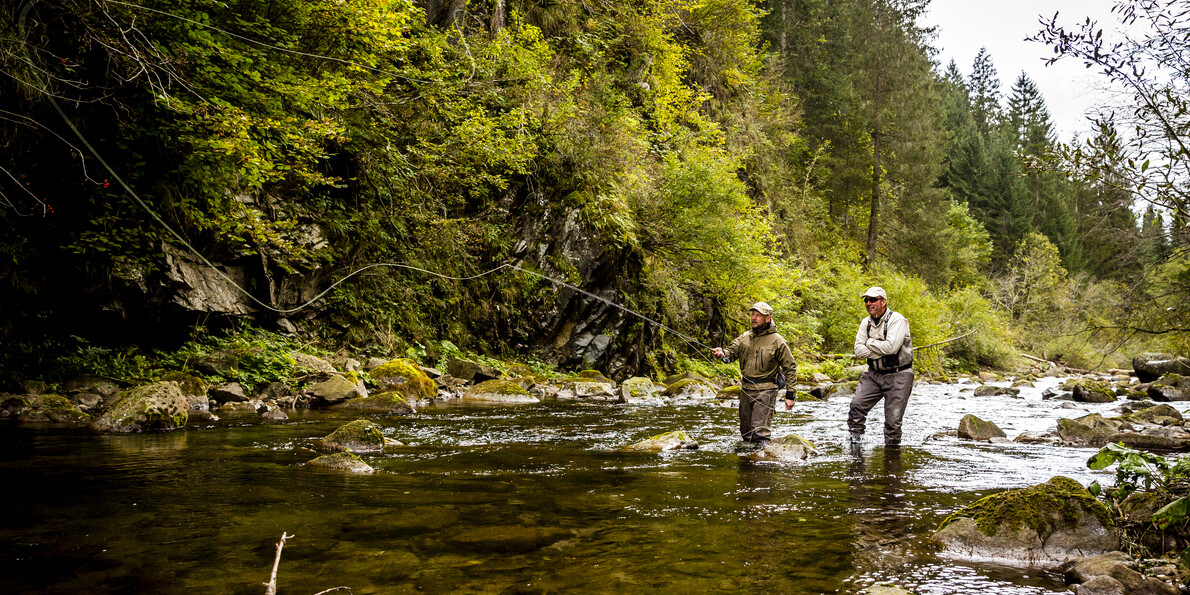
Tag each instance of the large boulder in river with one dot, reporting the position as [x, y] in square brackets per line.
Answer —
[152, 407]
[339, 388]
[405, 377]
[499, 391]
[1152, 437]
[341, 461]
[690, 389]
[1043, 525]
[1090, 391]
[638, 389]
[471, 371]
[51, 408]
[360, 435]
[973, 428]
[790, 448]
[668, 441]
[991, 390]
[388, 403]
[1171, 387]
[1151, 366]
[1089, 430]
[1162, 415]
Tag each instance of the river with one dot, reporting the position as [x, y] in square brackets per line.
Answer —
[522, 499]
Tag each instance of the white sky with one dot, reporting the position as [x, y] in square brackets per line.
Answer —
[1068, 87]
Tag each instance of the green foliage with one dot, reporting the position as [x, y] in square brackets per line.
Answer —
[1140, 471]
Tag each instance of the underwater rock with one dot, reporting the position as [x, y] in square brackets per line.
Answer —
[405, 377]
[973, 428]
[341, 461]
[390, 403]
[499, 391]
[638, 388]
[339, 388]
[358, 436]
[1151, 366]
[509, 539]
[1043, 525]
[157, 406]
[790, 448]
[676, 440]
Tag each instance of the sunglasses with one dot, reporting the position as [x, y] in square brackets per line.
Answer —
[871, 300]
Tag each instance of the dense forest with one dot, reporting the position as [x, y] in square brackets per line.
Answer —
[177, 169]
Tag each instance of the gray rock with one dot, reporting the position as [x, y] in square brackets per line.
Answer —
[1171, 439]
[338, 389]
[198, 403]
[668, 441]
[790, 448]
[388, 403]
[197, 287]
[690, 389]
[1043, 525]
[90, 383]
[1055, 394]
[43, 408]
[231, 392]
[342, 461]
[499, 391]
[1090, 391]
[34, 387]
[590, 391]
[471, 371]
[1151, 366]
[275, 414]
[87, 402]
[973, 428]
[1100, 585]
[989, 390]
[637, 389]
[309, 364]
[373, 363]
[158, 406]
[274, 391]
[1089, 430]
[1114, 566]
[359, 436]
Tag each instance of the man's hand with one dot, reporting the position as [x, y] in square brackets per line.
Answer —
[790, 399]
[717, 352]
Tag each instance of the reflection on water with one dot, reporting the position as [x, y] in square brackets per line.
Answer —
[520, 499]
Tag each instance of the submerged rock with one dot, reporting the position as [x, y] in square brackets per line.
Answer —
[637, 389]
[973, 428]
[1043, 525]
[405, 377]
[1151, 366]
[341, 461]
[360, 435]
[668, 441]
[509, 539]
[499, 391]
[790, 448]
[158, 406]
[390, 403]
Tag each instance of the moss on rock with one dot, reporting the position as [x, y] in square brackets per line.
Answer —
[404, 376]
[729, 392]
[390, 402]
[499, 391]
[160, 406]
[360, 435]
[1059, 503]
[341, 461]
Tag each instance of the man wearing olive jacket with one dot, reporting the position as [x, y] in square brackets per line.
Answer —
[766, 363]
[883, 339]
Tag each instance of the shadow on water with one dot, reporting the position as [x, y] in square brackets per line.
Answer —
[513, 500]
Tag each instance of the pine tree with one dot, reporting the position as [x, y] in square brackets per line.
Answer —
[985, 93]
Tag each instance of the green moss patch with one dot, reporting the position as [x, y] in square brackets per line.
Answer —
[405, 377]
[1059, 503]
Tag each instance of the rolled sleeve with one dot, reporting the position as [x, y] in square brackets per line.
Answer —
[894, 336]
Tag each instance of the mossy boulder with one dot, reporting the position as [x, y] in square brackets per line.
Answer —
[845, 389]
[389, 403]
[1089, 430]
[637, 389]
[729, 392]
[686, 376]
[589, 391]
[341, 461]
[595, 376]
[499, 391]
[790, 448]
[1043, 525]
[339, 388]
[160, 406]
[1152, 437]
[404, 376]
[991, 390]
[675, 440]
[43, 408]
[1151, 366]
[306, 364]
[1163, 415]
[973, 428]
[1091, 391]
[687, 388]
[360, 436]
[189, 384]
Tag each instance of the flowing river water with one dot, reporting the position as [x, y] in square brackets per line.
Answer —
[523, 499]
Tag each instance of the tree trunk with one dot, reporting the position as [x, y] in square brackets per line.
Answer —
[499, 16]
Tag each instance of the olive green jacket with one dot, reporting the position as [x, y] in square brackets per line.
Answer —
[761, 355]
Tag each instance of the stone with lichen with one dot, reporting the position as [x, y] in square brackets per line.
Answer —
[406, 378]
[361, 436]
[159, 406]
[43, 408]
[341, 461]
[390, 403]
[499, 391]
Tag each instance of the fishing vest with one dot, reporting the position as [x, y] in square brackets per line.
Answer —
[902, 359]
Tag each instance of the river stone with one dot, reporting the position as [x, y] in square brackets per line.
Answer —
[1151, 366]
[690, 389]
[1114, 565]
[90, 402]
[1089, 430]
[390, 403]
[341, 461]
[595, 376]
[686, 376]
[729, 392]
[339, 388]
[1056, 394]
[1171, 387]
[1043, 525]
[1173, 439]
[405, 377]
[506, 539]
[274, 391]
[471, 371]
[887, 590]
[360, 436]
[1022, 383]
[90, 383]
[824, 392]
[198, 403]
[637, 389]
[274, 413]
[157, 406]
[790, 448]
[668, 441]
[593, 391]
[973, 428]
[1090, 391]
[231, 392]
[38, 407]
[845, 389]
[499, 391]
[189, 384]
[373, 363]
[305, 363]
[1157, 414]
[990, 390]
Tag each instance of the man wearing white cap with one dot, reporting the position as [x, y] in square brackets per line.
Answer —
[883, 339]
[765, 363]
